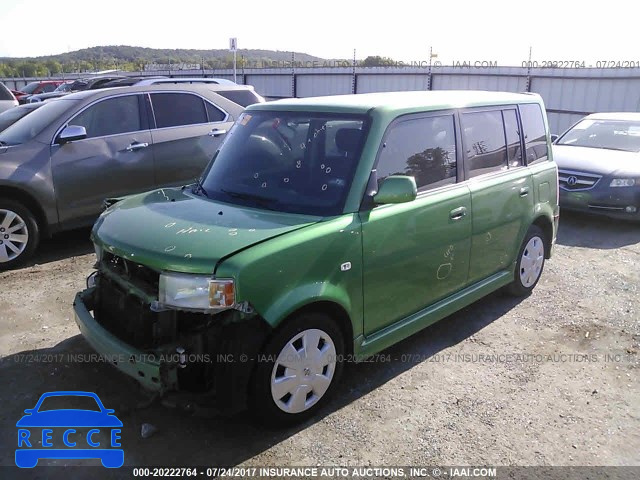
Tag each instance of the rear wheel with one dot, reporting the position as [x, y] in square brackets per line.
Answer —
[298, 370]
[19, 235]
[530, 262]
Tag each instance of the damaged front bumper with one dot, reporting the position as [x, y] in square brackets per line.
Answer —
[148, 368]
[214, 359]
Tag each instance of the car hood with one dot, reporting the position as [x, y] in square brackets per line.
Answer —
[597, 160]
[69, 418]
[172, 229]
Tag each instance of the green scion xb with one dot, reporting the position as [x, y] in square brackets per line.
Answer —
[324, 230]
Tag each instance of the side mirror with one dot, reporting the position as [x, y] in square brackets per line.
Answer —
[554, 137]
[396, 189]
[71, 133]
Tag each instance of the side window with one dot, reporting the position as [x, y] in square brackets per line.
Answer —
[514, 152]
[214, 113]
[177, 109]
[535, 136]
[424, 148]
[483, 134]
[110, 117]
[48, 87]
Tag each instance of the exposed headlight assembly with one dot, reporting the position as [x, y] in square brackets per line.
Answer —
[196, 292]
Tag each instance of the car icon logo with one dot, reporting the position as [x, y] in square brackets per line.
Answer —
[69, 433]
[572, 180]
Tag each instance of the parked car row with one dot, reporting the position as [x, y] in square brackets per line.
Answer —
[59, 162]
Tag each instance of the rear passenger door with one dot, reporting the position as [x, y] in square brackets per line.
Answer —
[501, 187]
[416, 253]
[188, 130]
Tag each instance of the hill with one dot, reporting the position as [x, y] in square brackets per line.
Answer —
[129, 58]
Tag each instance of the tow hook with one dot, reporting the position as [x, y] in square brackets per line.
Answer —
[182, 357]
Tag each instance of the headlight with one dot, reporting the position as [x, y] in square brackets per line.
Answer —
[196, 292]
[622, 182]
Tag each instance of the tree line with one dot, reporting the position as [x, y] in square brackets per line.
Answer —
[133, 59]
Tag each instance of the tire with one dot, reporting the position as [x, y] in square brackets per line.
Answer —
[530, 263]
[19, 234]
[311, 381]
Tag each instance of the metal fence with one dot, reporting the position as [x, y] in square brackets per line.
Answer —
[568, 93]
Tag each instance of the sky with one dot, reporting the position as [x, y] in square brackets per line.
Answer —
[462, 31]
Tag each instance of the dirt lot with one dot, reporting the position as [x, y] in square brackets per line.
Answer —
[548, 380]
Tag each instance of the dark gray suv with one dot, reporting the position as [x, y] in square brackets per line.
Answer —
[58, 164]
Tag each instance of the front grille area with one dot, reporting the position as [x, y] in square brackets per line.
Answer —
[574, 181]
[144, 278]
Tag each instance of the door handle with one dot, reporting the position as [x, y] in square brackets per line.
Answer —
[136, 146]
[524, 191]
[457, 213]
[216, 132]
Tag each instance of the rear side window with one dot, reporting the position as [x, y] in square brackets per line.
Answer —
[5, 94]
[535, 135]
[424, 148]
[484, 142]
[177, 109]
[243, 98]
[110, 117]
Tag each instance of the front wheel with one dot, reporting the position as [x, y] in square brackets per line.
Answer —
[19, 234]
[298, 370]
[530, 263]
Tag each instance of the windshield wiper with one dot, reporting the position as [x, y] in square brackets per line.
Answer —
[265, 202]
[200, 188]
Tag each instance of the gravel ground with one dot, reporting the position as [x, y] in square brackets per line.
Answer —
[551, 379]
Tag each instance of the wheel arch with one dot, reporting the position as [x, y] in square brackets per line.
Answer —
[546, 225]
[333, 310]
[30, 202]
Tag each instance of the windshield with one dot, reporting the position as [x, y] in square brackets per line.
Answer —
[28, 127]
[30, 87]
[609, 134]
[291, 162]
[63, 87]
[78, 85]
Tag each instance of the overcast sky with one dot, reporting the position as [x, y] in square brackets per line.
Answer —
[457, 30]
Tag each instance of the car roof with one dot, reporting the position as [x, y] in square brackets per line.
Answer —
[399, 101]
[188, 87]
[177, 80]
[629, 116]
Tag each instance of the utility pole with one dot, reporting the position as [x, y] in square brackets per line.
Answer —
[233, 46]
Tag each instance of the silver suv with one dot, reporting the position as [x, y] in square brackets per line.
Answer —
[58, 164]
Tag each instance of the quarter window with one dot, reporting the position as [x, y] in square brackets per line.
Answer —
[535, 135]
[110, 117]
[5, 94]
[424, 148]
[177, 109]
[214, 113]
[484, 142]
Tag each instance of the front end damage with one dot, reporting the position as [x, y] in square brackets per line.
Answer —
[167, 349]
